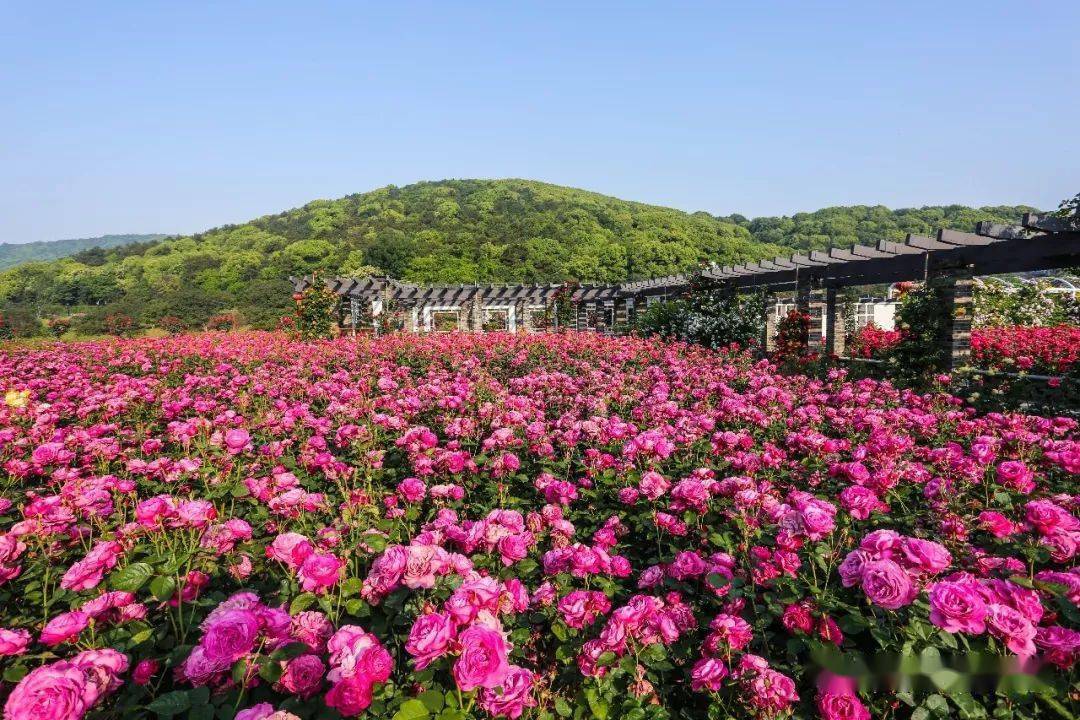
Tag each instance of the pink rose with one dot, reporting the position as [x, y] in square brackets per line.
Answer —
[302, 676]
[429, 638]
[887, 584]
[230, 635]
[924, 556]
[1009, 625]
[421, 565]
[256, 712]
[59, 691]
[845, 706]
[320, 571]
[514, 696]
[482, 662]
[957, 607]
[64, 627]
[290, 548]
[145, 671]
[13, 642]
[351, 696]
[708, 675]
[237, 440]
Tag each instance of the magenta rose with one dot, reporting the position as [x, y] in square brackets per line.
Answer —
[302, 676]
[513, 697]
[1012, 627]
[430, 637]
[887, 584]
[64, 627]
[924, 556]
[351, 696]
[13, 642]
[708, 675]
[59, 691]
[957, 607]
[230, 635]
[843, 706]
[320, 571]
[482, 662]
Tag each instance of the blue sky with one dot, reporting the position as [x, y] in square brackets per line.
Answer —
[176, 117]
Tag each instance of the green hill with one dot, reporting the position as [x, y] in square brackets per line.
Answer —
[12, 254]
[447, 231]
[866, 224]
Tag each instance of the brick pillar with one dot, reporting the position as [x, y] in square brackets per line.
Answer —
[519, 313]
[834, 324]
[802, 304]
[621, 316]
[476, 314]
[768, 330]
[581, 316]
[956, 301]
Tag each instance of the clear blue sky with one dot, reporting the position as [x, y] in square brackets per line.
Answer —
[179, 116]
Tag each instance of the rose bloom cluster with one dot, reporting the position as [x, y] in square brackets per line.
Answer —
[464, 525]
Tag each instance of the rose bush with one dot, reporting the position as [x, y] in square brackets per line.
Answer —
[540, 526]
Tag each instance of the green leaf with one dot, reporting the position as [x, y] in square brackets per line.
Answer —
[170, 704]
[290, 651]
[163, 587]
[15, 673]
[563, 708]
[433, 701]
[411, 709]
[131, 577]
[301, 602]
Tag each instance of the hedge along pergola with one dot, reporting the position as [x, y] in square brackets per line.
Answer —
[949, 260]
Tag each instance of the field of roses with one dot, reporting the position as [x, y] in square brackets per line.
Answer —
[545, 526]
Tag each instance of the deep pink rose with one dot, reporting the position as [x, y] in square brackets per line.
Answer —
[482, 662]
[230, 635]
[64, 627]
[513, 697]
[430, 637]
[59, 691]
[351, 696]
[320, 571]
[14, 642]
[302, 676]
[708, 675]
[957, 607]
[887, 584]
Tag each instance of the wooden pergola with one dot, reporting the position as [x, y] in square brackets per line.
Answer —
[949, 260]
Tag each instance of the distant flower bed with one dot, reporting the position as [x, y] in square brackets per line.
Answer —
[246, 527]
[870, 341]
[1049, 350]
[1046, 350]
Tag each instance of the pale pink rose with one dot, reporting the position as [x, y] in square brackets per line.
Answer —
[290, 548]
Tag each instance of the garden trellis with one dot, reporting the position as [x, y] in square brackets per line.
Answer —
[950, 260]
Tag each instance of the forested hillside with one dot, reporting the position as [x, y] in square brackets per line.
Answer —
[846, 226]
[448, 231]
[12, 254]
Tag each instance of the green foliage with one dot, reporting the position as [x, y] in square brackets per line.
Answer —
[708, 317]
[316, 310]
[12, 254]
[921, 321]
[866, 224]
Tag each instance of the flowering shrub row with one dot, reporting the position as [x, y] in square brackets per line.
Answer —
[1046, 350]
[547, 526]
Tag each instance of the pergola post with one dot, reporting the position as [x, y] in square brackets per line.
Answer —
[581, 316]
[834, 324]
[957, 305]
[768, 330]
[802, 304]
[475, 314]
[520, 311]
[621, 317]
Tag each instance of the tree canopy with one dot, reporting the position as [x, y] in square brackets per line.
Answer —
[447, 231]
